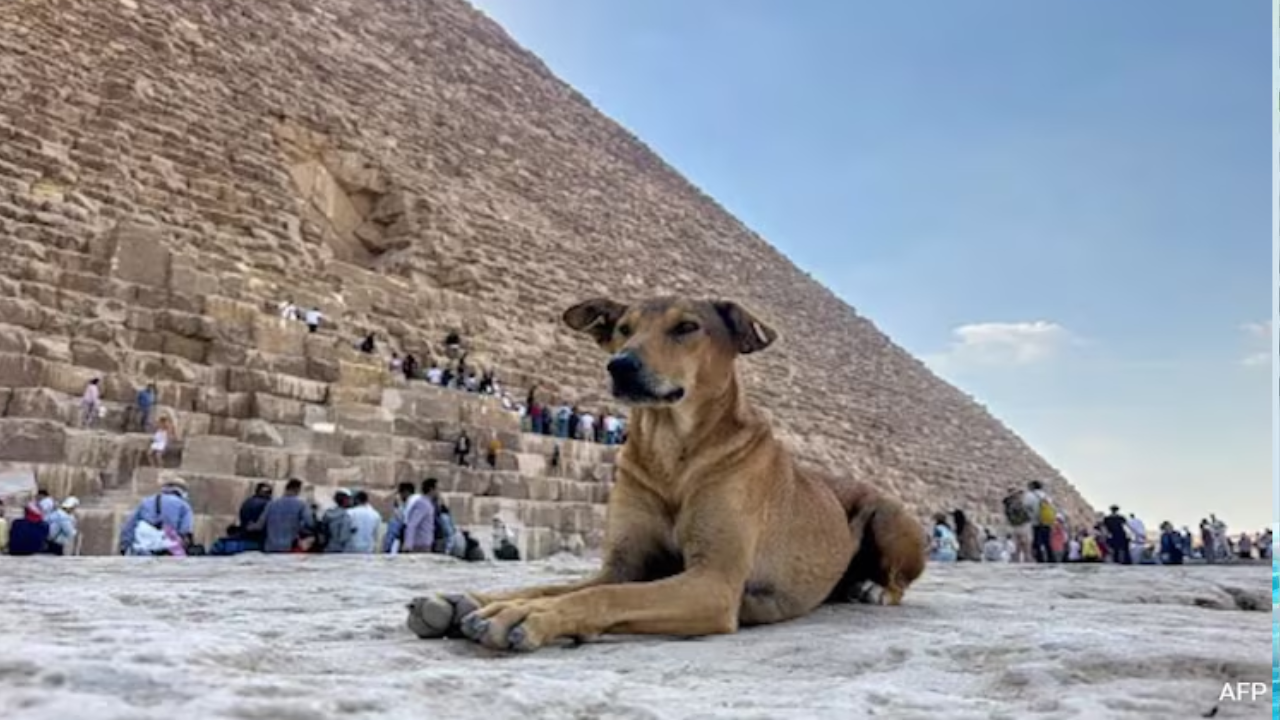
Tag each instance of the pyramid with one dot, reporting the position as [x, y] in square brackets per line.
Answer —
[171, 171]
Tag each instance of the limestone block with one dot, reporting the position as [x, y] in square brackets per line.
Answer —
[543, 488]
[476, 482]
[363, 375]
[21, 371]
[577, 492]
[376, 472]
[315, 415]
[510, 485]
[322, 370]
[415, 428]
[530, 463]
[211, 494]
[234, 320]
[261, 462]
[185, 276]
[23, 313]
[35, 441]
[210, 455]
[219, 402]
[193, 349]
[66, 480]
[275, 335]
[315, 467]
[140, 255]
[227, 354]
[15, 340]
[363, 443]
[301, 439]
[99, 531]
[286, 386]
[261, 433]
[366, 418]
[176, 396]
[43, 403]
[278, 410]
[355, 395]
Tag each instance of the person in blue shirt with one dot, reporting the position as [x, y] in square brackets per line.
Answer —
[143, 406]
[167, 508]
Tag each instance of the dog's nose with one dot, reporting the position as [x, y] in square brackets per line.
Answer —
[624, 365]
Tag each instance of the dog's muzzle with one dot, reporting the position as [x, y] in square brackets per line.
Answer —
[633, 383]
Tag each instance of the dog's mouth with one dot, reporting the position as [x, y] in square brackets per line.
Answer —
[635, 394]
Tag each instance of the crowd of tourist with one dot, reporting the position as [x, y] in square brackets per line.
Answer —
[1037, 532]
[163, 523]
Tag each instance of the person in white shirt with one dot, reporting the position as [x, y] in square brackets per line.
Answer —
[365, 522]
[435, 375]
[1138, 535]
[610, 430]
[62, 528]
[44, 503]
[993, 550]
[587, 426]
[288, 311]
[160, 440]
[313, 317]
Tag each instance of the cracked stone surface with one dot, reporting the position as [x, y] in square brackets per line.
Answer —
[323, 638]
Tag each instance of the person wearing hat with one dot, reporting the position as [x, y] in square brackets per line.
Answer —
[167, 508]
[62, 528]
[336, 529]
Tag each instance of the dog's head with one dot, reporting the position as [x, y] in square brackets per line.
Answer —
[668, 349]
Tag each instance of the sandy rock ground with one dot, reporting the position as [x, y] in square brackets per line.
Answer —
[314, 638]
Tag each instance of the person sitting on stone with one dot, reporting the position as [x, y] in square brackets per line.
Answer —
[160, 441]
[368, 344]
[396, 364]
[333, 535]
[555, 458]
[462, 448]
[495, 447]
[412, 369]
[288, 520]
[288, 311]
[168, 519]
[62, 528]
[250, 526]
[435, 375]
[27, 534]
[452, 344]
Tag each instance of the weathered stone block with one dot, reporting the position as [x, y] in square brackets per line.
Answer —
[278, 410]
[275, 335]
[261, 462]
[21, 371]
[217, 494]
[210, 455]
[286, 386]
[34, 441]
[140, 255]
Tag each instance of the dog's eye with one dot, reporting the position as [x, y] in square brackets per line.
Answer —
[624, 330]
[684, 328]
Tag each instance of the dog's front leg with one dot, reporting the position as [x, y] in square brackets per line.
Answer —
[694, 603]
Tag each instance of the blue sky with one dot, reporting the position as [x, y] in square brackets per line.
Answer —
[1063, 207]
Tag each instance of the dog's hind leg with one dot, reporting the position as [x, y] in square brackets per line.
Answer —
[889, 553]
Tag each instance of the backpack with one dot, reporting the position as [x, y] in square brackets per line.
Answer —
[321, 537]
[1014, 511]
[1046, 512]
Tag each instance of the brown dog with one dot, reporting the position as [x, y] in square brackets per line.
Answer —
[711, 524]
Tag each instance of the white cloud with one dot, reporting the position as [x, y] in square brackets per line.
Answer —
[1259, 340]
[1002, 344]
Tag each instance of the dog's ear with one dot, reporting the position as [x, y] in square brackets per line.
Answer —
[598, 317]
[747, 332]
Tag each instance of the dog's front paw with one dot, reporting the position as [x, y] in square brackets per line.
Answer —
[439, 615]
[870, 593]
[522, 625]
